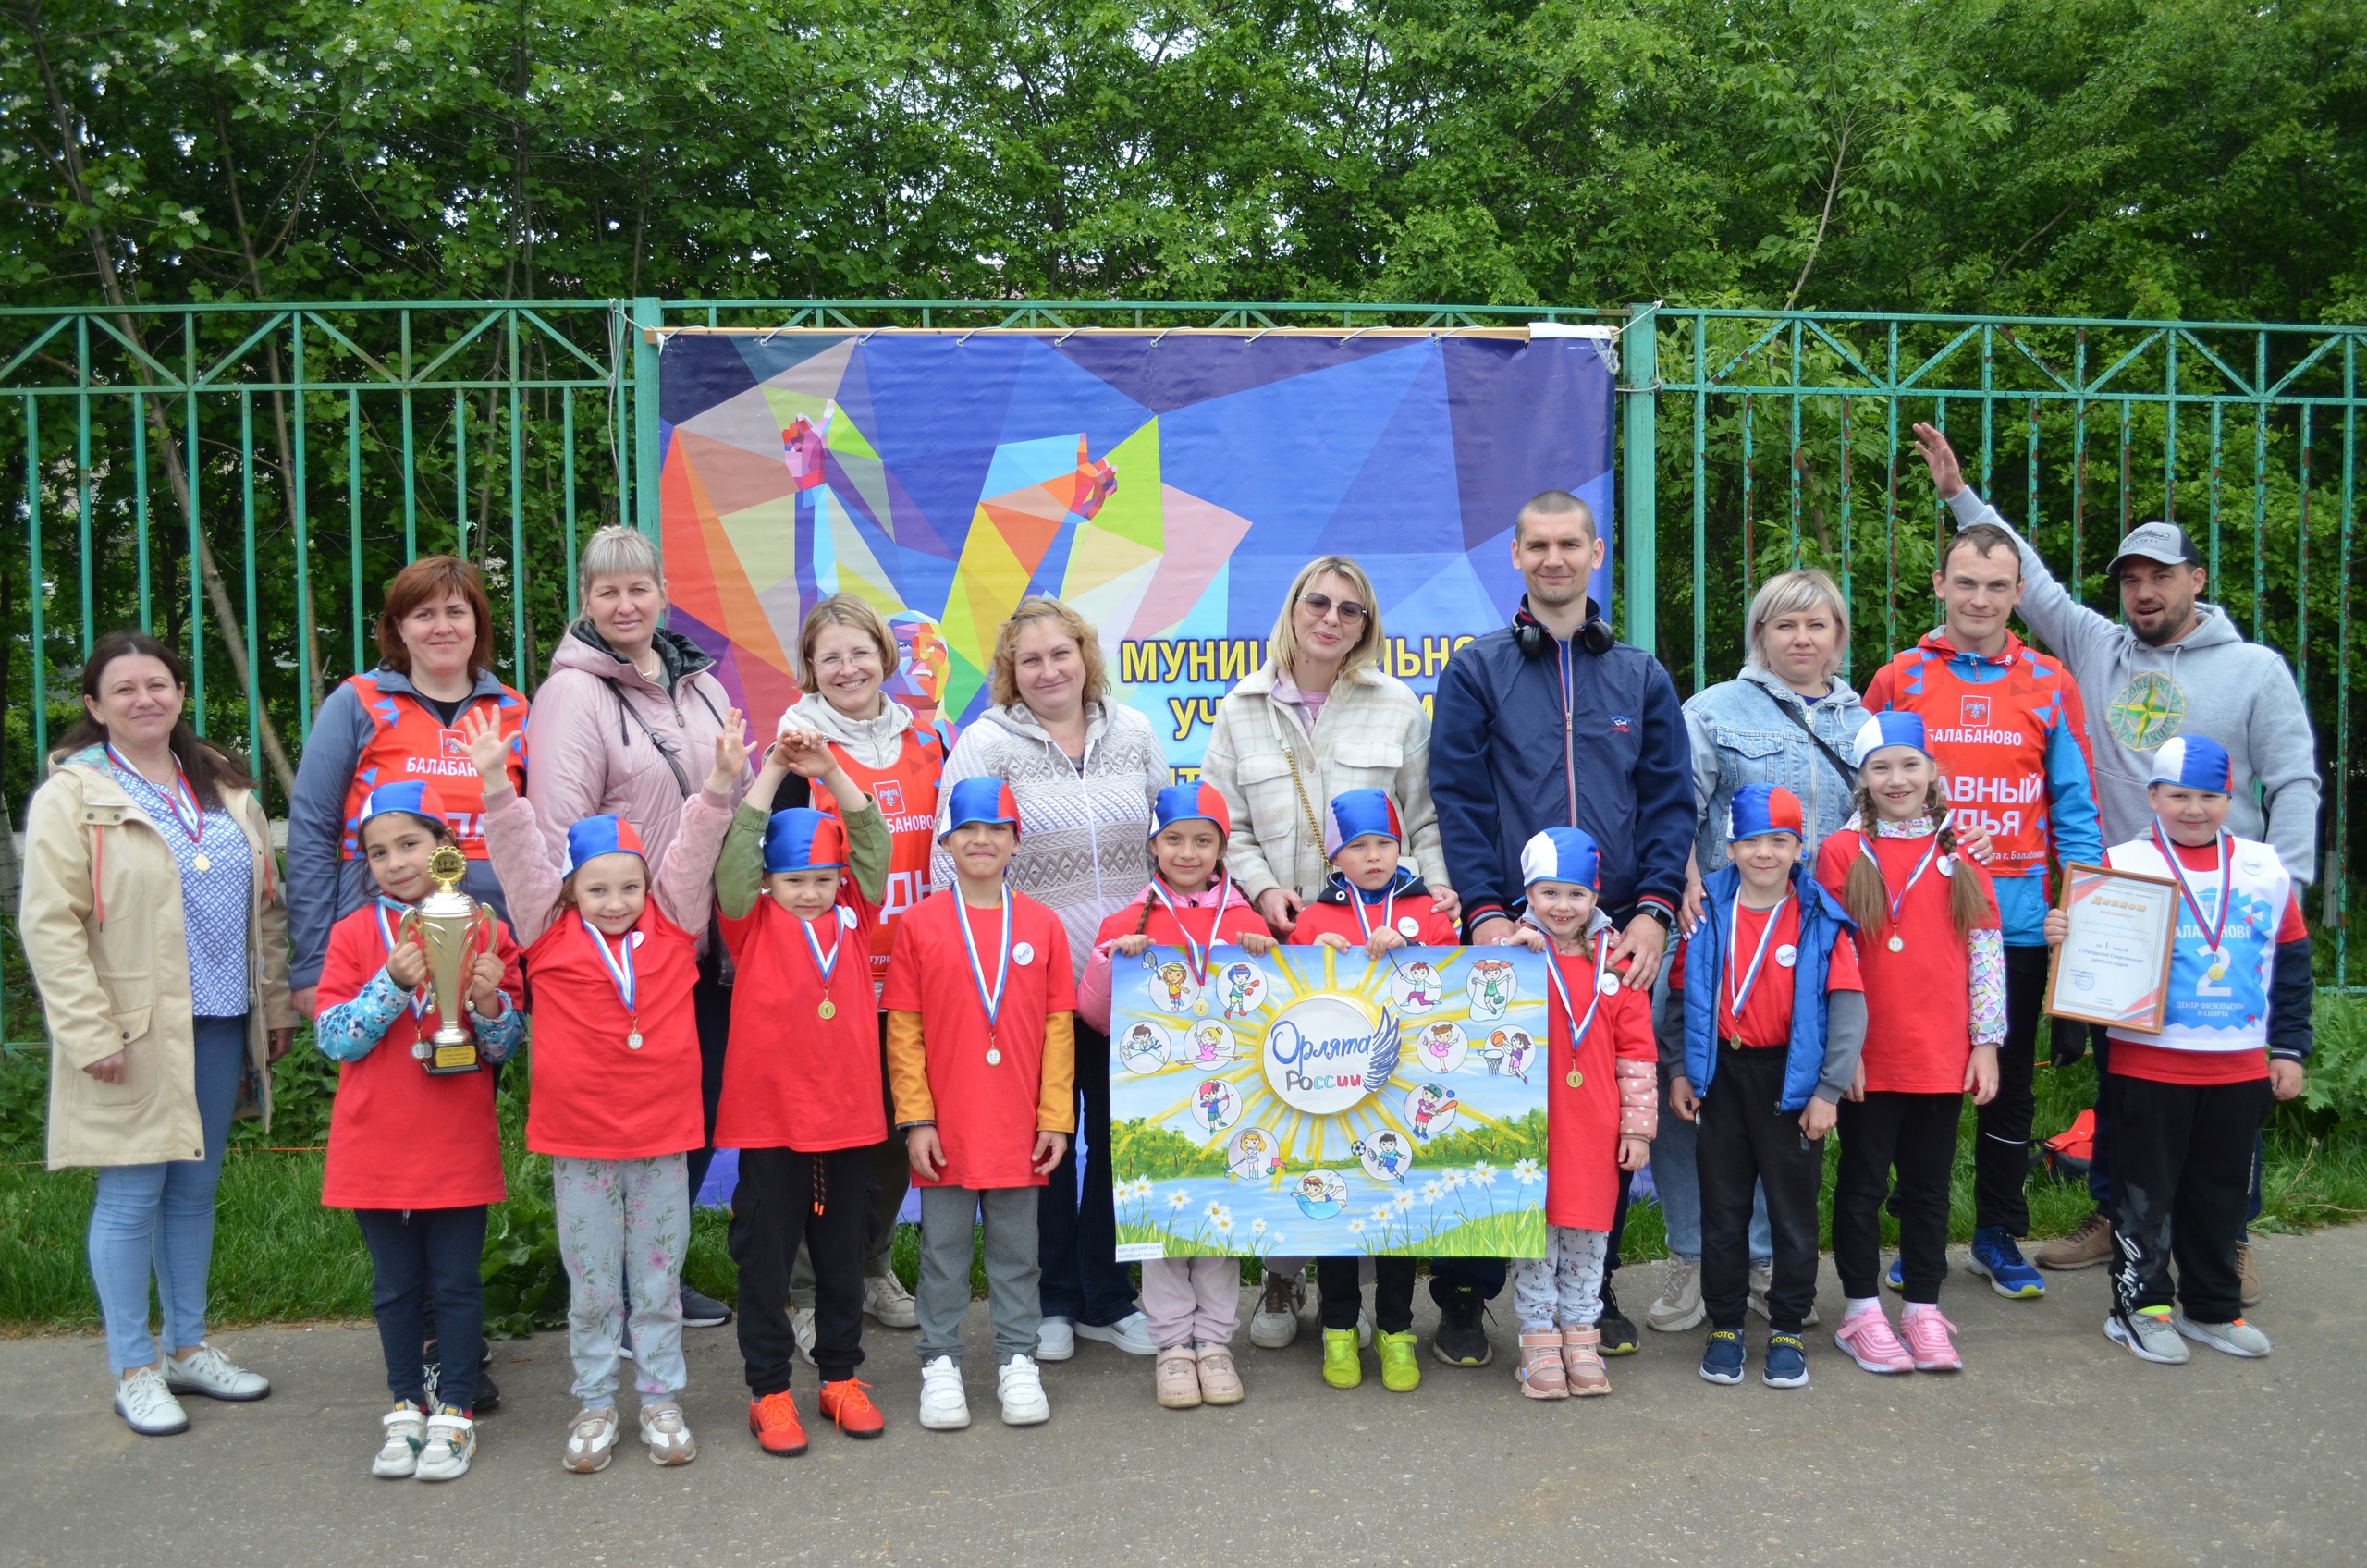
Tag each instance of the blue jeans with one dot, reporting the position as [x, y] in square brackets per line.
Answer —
[427, 1285]
[160, 1216]
[1679, 1185]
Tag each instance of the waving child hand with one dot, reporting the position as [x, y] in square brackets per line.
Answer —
[730, 755]
[488, 747]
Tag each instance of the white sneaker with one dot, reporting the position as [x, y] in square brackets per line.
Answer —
[1055, 1340]
[1275, 1323]
[801, 1323]
[1679, 1307]
[944, 1407]
[147, 1407]
[405, 1433]
[1364, 1329]
[2236, 1338]
[668, 1435]
[591, 1440]
[451, 1444]
[1021, 1390]
[207, 1371]
[1129, 1334]
[887, 1300]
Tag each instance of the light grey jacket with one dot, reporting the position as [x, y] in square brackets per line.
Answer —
[2210, 682]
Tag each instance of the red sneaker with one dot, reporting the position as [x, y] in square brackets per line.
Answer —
[848, 1403]
[774, 1420]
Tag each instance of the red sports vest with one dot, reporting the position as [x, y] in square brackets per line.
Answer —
[906, 792]
[406, 740]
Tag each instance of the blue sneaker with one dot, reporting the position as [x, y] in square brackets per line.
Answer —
[1787, 1363]
[1722, 1361]
[1896, 1277]
[1995, 1255]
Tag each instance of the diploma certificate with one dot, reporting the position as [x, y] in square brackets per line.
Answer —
[2114, 968]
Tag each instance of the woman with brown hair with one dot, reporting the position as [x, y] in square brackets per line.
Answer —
[154, 926]
[1086, 772]
[401, 721]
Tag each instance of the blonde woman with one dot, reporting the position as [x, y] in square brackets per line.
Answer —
[1086, 772]
[1320, 718]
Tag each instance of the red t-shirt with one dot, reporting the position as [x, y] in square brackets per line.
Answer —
[986, 1112]
[905, 792]
[1918, 1000]
[1416, 919]
[1582, 1118]
[398, 1136]
[2162, 1065]
[793, 1078]
[1767, 1010]
[594, 1096]
[1167, 928]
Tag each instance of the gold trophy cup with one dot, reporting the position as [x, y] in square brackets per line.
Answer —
[452, 928]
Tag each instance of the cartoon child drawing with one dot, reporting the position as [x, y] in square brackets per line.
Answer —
[1422, 983]
[1490, 986]
[1240, 989]
[1210, 1045]
[1438, 1044]
[1431, 1105]
[1389, 1153]
[1177, 979]
[1141, 1047]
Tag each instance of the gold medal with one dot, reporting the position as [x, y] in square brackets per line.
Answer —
[994, 1056]
[202, 864]
[1201, 1007]
[1898, 944]
[828, 1010]
[632, 1041]
[1576, 1078]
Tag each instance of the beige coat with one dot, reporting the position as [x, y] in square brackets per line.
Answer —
[1371, 734]
[121, 983]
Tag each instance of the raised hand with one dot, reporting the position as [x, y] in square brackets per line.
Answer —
[1948, 474]
[730, 755]
[488, 747]
[804, 753]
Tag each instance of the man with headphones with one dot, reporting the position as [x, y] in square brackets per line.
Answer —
[1552, 722]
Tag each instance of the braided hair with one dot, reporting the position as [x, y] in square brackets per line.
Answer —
[1867, 900]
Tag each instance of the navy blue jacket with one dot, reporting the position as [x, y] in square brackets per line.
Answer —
[1507, 759]
[1705, 959]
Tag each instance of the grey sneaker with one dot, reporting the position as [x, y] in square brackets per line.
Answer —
[1762, 1279]
[1679, 1307]
[2238, 1337]
[1275, 1323]
[2149, 1337]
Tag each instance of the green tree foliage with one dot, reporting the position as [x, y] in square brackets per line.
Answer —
[2192, 157]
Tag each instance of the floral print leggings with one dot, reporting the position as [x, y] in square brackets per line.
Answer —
[623, 1225]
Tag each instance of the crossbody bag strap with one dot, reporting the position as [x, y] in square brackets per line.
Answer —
[681, 780]
[1848, 775]
[1290, 755]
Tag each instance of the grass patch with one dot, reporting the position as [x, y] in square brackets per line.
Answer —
[279, 1255]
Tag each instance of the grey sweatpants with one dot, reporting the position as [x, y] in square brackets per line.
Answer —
[948, 1215]
[610, 1211]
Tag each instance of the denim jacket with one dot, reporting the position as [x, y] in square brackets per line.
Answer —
[1739, 738]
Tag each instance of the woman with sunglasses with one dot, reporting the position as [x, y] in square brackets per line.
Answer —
[1321, 718]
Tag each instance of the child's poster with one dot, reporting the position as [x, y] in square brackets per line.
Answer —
[1311, 1102]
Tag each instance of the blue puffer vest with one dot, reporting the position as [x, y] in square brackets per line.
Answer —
[1820, 919]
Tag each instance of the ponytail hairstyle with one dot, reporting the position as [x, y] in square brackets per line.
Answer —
[1863, 894]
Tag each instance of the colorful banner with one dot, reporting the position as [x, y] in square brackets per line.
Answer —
[1168, 484]
[1315, 1102]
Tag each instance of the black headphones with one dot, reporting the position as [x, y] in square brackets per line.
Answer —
[1595, 636]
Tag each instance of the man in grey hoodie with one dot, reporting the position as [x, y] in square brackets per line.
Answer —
[2176, 666]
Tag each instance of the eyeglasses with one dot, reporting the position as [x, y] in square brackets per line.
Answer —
[862, 658]
[1320, 605]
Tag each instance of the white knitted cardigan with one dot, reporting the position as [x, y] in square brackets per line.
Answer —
[1082, 835]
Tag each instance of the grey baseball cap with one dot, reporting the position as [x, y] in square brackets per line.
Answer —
[2163, 542]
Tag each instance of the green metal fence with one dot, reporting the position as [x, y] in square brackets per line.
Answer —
[242, 478]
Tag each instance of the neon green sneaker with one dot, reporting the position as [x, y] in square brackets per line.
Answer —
[1400, 1371]
[1341, 1366]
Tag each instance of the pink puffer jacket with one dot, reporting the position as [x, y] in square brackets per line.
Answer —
[606, 738]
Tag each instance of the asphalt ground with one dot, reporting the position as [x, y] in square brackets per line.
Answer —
[2052, 1447]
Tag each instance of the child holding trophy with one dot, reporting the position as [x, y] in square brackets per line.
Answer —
[616, 1074]
[412, 1003]
[799, 893]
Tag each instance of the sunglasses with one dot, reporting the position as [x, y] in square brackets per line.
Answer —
[1320, 605]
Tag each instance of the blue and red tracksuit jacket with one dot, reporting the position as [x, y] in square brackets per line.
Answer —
[2012, 737]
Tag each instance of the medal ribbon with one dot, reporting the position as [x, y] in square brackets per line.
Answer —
[1388, 909]
[182, 799]
[2212, 930]
[620, 969]
[1578, 1027]
[420, 998]
[828, 967]
[1738, 992]
[1866, 848]
[1196, 954]
[989, 999]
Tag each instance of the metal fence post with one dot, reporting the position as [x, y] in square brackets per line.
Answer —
[1639, 466]
[647, 458]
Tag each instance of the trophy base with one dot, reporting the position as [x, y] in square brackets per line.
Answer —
[461, 1057]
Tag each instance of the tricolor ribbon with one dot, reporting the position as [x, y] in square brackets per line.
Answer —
[178, 795]
[2211, 930]
[421, 997]
[989, 999]
[1578, 1027]
[1738, 992]
[1866, 848]
[1388, 909]
[828, 964]
[618, 961]
[1196, 954]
